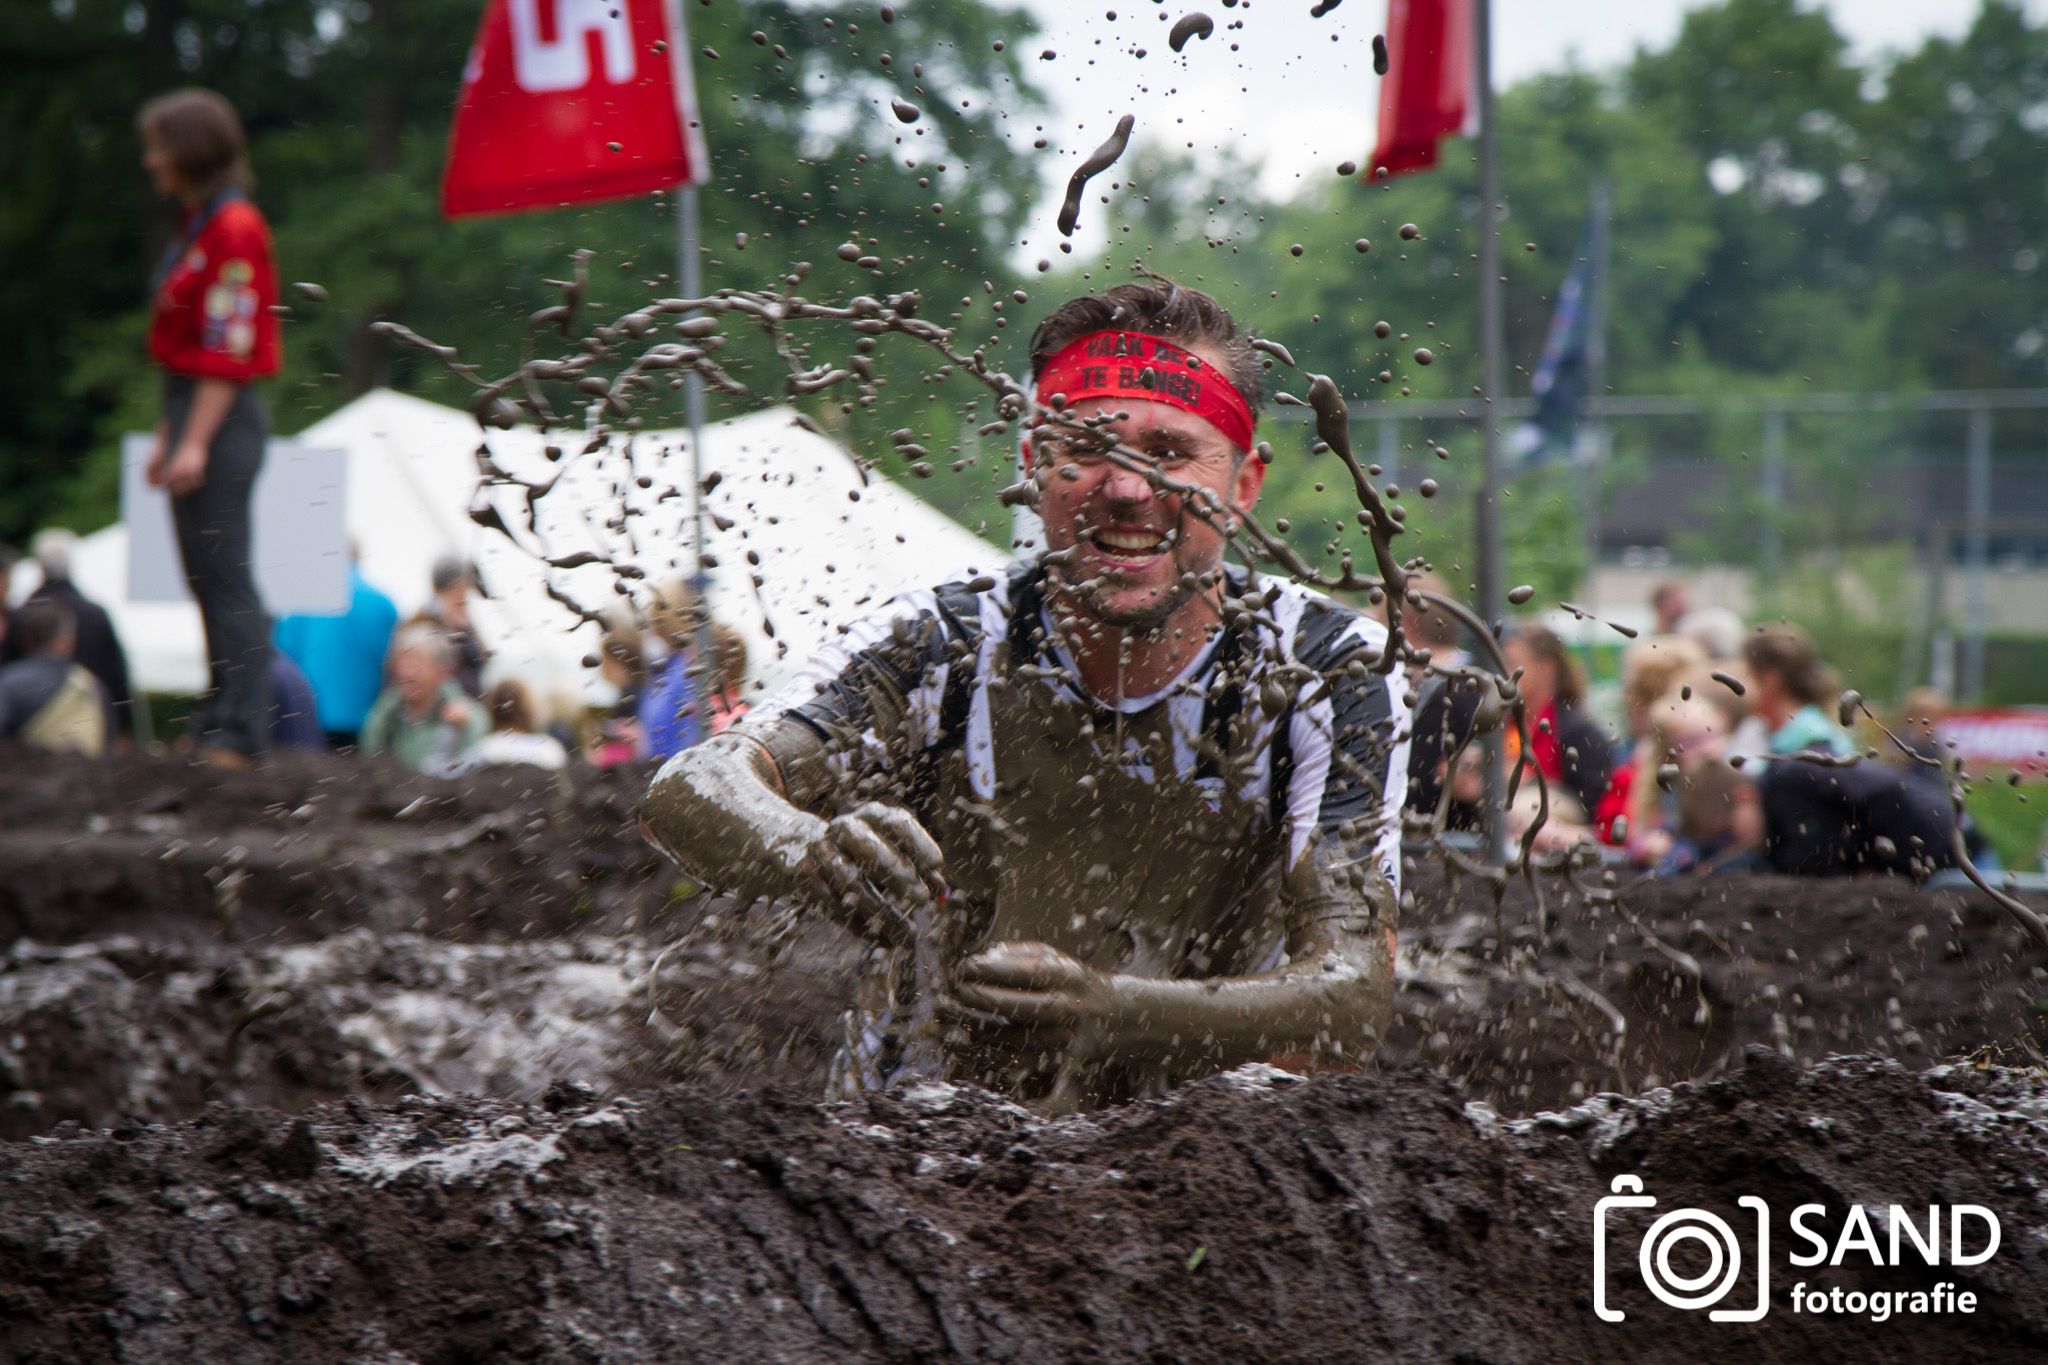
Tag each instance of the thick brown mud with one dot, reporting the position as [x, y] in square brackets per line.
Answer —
[538, 1126]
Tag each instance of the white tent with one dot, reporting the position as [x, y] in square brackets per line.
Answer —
[791, 508]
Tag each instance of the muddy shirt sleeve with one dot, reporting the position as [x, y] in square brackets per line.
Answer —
[1348, 740]
[884, 691]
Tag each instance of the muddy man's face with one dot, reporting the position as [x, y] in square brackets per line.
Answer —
[1129, 551]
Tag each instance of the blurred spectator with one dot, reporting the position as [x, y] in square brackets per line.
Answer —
[7, 558]
[46, 698]
[424, 719]
[515, 736]
[1720, 827]
[1566, 745]
[1446, 714]
[1825, 820]
[1717, 630]
[213, 329]
[668, 705]
[620, 663]
[1671, 601]
[343, 656]
[1682, 730]
[99, 647]
[726, 688]
[1790, 690]
[1920, 715]
[294, 717]
[454, 578]
[1649, 669]
[1433, 629]
[1733, 705]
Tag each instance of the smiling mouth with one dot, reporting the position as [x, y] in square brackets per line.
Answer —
[1132, 543]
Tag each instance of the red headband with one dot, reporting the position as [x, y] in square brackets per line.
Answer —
[1140, 365]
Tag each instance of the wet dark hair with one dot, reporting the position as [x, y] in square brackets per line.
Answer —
[1544, 644]
[511, 706]
[203, 135]
[39, 623]
[1786, 651]
[1158, 308]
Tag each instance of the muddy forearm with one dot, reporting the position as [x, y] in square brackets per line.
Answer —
[723, 812]
[1332, 1000]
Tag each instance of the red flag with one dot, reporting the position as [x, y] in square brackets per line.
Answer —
[1428, 85]
[565, 101]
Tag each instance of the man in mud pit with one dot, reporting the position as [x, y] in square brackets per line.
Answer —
[1128, 816]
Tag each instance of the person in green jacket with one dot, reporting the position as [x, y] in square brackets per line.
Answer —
[424, 719]
[1792, 691]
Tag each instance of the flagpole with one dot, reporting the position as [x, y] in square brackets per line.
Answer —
[1493, 355]
[690, 276]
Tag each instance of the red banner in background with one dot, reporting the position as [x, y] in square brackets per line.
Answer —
[1427, 90]
[566, 101]
[1998, 738]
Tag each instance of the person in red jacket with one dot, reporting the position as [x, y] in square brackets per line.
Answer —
[213, 332]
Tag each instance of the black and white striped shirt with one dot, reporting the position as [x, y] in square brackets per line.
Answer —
[1289, 688]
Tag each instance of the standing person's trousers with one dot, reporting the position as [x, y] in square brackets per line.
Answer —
[214, 540]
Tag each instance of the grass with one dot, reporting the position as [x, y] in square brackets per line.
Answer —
[2012, 818]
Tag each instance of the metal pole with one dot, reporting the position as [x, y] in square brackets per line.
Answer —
[1773, 488]
[1493, 351]
[1977, 481]
[1941, 649]
[690, 277]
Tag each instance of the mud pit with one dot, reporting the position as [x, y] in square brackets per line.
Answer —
[413, 966]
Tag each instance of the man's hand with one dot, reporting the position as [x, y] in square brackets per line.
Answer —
[1035, 987]
[876, 862]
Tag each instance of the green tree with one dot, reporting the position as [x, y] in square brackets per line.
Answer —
[347, 103]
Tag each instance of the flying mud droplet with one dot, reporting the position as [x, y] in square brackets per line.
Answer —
[1383, 330]
[1521, 594]
[1323, 7]
[1729, 681]
[1424, 356]
[1361, 246]
[849, 251]
[1347, 169]
[615, 146]
[1101, 159]
[1379, 54]
[1409, 232]
[1428, 488]
[1846, 708]
[1295, 250]
[1275, 350]
[316, 292]
[888, 15]
[905, 111]
[1196, 25]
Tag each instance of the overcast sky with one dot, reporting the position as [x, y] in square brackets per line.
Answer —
[1297, 103]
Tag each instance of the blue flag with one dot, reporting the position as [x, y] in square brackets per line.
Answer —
[1559, 384]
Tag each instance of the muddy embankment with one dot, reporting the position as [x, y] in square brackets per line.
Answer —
[445, 1086]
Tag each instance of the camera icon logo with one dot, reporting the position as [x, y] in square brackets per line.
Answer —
[1672, 1230]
